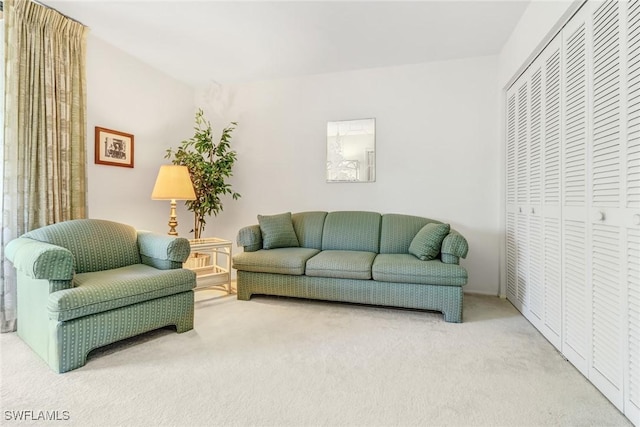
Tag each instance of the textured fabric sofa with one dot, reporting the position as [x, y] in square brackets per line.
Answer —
[86, 283]
[353, 256]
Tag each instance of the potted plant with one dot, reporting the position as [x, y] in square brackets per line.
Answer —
[209, 165]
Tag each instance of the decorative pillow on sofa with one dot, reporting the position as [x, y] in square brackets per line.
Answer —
[277, 231]
[426, 244]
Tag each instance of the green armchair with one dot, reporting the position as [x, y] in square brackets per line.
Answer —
[86, 283]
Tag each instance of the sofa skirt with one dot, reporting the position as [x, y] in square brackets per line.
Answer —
[445, 299]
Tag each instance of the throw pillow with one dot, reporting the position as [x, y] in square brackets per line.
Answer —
[426, 244]
[277, 231]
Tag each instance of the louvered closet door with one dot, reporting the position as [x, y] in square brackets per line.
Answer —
[512, 207]
[517, 193]
[551, 195]
[576, 333]
[607, 252]
[522, 193]
[534, 274]
[573, 196]
[535, 305]
[631, 214]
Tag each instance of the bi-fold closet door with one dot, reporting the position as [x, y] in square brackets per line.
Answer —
[533, 193]
[573, 196]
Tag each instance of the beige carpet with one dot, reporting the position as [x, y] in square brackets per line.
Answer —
[287, 362]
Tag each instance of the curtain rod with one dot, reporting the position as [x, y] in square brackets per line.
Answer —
[48, 7]
[53, 8]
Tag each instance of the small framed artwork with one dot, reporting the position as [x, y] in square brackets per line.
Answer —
[114, 148]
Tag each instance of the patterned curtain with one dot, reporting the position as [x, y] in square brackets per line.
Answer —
[44, 153]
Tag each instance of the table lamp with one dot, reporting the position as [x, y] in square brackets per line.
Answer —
[173, 183]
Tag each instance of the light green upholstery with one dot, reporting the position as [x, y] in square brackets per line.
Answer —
[162, 253]
[250, 238]
[351, 231]
[446, 299]
[281, 260]
[397, 231]
[105, 290]
[308, 227]
[277, 231]
[103, 244]
[454, 247]
[360, 257]
[408, 268]
[41, 260]
[86, 283]
[158, 246]
[427, 243]
[341, 264]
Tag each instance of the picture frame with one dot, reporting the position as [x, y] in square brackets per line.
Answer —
[114, 148]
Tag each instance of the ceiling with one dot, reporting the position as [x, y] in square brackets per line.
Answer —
[240, 41]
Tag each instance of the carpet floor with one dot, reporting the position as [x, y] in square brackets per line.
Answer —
[287, 362]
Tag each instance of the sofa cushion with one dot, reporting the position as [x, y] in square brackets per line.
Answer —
[351, 231]
[108, 289]
[406, 268]
[281, 261]
[426, 244]
[341, 264]
[308, 227]
[277, 231]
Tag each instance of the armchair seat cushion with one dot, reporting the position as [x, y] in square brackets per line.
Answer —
[100, 291]
[341, 264]
[406, 268]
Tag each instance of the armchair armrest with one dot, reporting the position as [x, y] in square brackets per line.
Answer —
[250, 238]
[454, 247]
[161, 251]
[40, 260]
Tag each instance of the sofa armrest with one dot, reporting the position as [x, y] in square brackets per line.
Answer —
[40, 260]
[162, 251]
[454, 247]
[250, 238]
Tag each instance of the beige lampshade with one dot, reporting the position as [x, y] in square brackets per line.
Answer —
[173, 183]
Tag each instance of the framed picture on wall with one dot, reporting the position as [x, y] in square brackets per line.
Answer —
[114, 148]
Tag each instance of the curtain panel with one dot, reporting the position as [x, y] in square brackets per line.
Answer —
[44, 153]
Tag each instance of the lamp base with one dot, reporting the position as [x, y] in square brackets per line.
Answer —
[173, 220]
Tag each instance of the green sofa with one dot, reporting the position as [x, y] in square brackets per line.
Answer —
[353, 256]
[86, 283]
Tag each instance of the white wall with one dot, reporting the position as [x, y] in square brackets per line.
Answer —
[437, 141]
[125, 94]
[2, 106]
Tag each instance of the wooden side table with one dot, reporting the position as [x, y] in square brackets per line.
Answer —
[210, 259]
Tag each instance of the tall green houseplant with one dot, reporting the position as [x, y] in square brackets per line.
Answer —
[209, 165]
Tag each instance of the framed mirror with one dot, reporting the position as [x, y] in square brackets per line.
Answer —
[351, 151]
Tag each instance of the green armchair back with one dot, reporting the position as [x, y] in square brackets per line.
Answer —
[86, 283]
